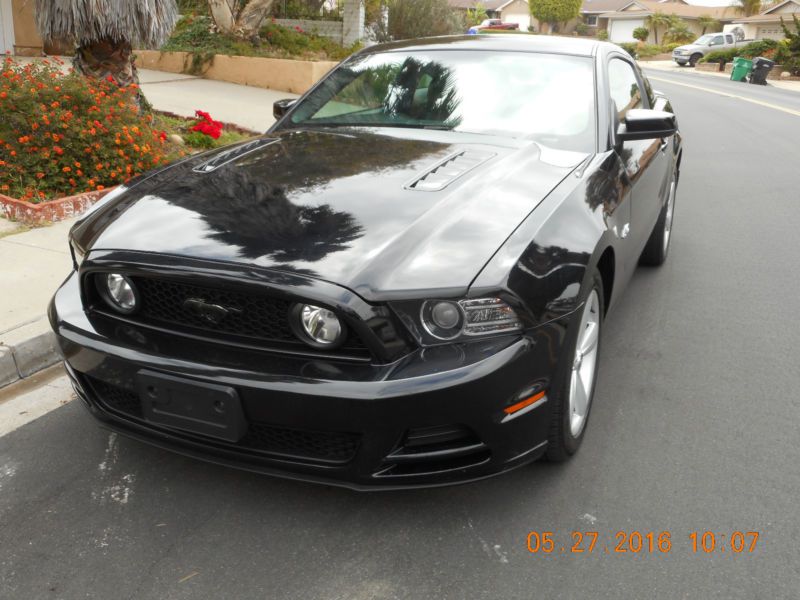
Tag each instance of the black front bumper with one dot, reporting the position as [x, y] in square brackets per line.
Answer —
[434, 417]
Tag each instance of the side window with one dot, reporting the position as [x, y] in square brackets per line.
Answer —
[717, 41]
[728, 39]
[624, 87]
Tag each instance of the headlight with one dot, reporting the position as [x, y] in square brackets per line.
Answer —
[317, 326]
[118, 291]
[449, 320]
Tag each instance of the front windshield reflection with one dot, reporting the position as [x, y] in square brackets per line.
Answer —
[548, 98]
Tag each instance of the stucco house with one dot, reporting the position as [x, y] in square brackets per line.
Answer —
[592, 12]
[510, 11]
[18, 33]
[767, 24]
[633, 14]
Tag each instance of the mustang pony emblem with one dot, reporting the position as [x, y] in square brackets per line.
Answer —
[212, 313]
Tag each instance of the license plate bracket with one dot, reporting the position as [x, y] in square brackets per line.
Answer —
[196, 407]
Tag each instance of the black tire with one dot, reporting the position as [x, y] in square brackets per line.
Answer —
[657, 248]
[682, 64]
[561, 443]
[694, 58]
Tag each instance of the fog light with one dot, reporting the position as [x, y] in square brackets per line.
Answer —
[317, 326]
[119, 292]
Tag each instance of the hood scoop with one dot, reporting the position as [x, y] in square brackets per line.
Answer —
[233, 154]
[448, 170]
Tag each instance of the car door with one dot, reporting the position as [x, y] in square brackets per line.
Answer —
[645, 161]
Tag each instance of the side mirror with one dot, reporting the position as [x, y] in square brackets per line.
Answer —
[645, 124]
[281, 107]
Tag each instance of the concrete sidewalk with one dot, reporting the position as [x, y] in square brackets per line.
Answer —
[35, 262]
[245, 106]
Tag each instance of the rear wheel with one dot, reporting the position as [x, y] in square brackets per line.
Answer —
[574, 401]
[657, 248]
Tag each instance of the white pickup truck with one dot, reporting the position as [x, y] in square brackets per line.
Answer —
[710, 42]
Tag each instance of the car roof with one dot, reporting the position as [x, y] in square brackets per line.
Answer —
[549, 44]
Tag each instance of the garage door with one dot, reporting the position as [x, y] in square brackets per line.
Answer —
[622, 30]
[6, 27]
[522, 20]
[769, 33]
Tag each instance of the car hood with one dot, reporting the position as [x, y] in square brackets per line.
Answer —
[383, 213]
[690, 47]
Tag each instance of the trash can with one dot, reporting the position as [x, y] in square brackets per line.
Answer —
[741, 68]
[761, 68]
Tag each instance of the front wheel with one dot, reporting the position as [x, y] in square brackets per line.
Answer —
[578, 377]
[693, 60]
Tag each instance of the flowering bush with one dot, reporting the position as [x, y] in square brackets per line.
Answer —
[207, 126]
[61, 134]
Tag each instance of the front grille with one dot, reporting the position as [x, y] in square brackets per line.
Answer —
[261, 438]
[253, 317]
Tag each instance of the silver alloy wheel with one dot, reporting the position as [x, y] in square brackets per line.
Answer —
[584, 364]
[670, 211]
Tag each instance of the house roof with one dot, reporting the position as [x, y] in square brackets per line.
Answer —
[486, 4]
[602, 6]
[639, 8]
[770, 16]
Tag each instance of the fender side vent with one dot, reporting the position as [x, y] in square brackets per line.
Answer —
[450, 169]
[233, 154]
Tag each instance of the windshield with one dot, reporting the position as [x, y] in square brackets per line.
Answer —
[704, 40]
[548, 98]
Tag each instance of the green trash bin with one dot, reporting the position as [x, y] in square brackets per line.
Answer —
[742, 67]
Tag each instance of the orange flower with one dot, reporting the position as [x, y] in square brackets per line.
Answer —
[40, 175]
[66, 169]
[98, 167]
[100, 188]
[58, 150]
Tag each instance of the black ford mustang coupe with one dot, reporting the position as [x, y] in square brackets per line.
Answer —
[403, 283]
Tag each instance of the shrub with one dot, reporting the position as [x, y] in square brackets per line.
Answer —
[63, 134]
[195, 34]
[419, 18]
[721, 56]
[647, 50]
[759, 48]
[602, 35]
[629, 47]
[582, 29]
[668, 48]
[641, 34]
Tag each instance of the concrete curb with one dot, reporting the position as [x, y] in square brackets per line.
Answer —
[27, 350]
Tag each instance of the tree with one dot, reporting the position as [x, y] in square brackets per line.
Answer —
[708, 23]
[554, 12]
[410, 19]
[476, 16]
[641, 34]
[678, 31]
[748, 7]
[239, 17]
[656, 20]
[105, 32]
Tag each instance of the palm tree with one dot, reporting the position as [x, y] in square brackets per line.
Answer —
[748, 7]
[105, 32]
[656, 20]
[239, 17]
[708, 22]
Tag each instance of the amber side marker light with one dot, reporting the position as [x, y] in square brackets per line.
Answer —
[510, 410]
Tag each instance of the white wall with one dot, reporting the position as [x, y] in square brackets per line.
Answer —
[6, 27]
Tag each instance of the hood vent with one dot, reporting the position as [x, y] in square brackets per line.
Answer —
[450, 169]
[233, 154]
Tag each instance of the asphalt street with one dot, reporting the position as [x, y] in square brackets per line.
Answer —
[694, 429]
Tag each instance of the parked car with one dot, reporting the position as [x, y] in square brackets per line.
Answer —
[493, 24]
[690, 54]
[403, 283]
